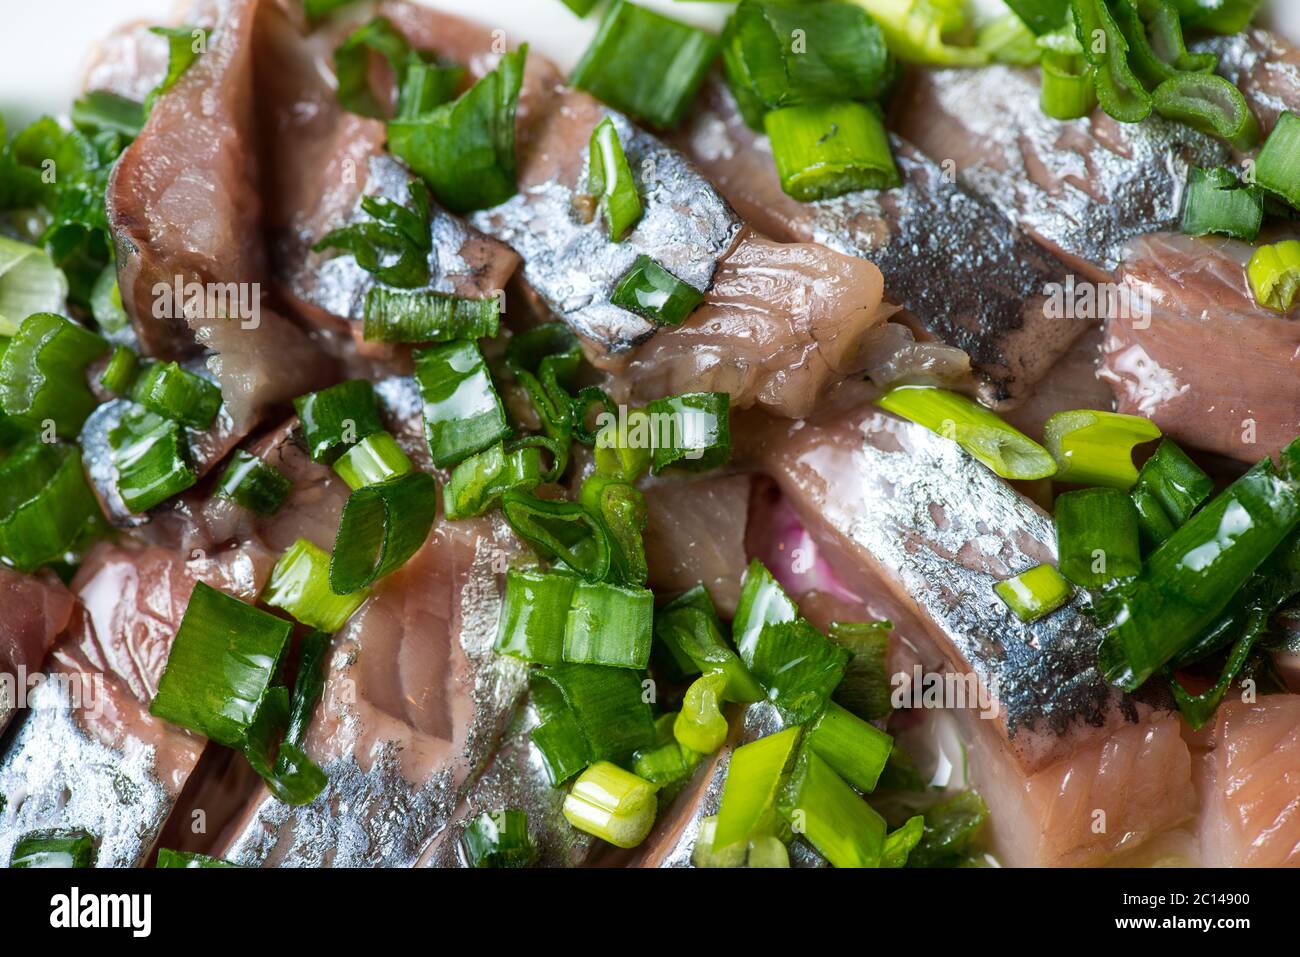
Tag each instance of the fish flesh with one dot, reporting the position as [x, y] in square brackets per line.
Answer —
[1264, 66]
[36, 609]
[966, 277]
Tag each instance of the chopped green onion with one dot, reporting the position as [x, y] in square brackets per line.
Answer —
[1211, 104]
[478, 482]
[300, 584]
[609, 625]
[952, 831]
[499, 839]
[54, 848]
[900, 842]
[1008, 40]
[1041, 16]
[290, 774]
[1155, 37]
[611, 181]
[645, 64]
[381, 527]
[915, 31]
[1069, 89]
[705, 853]
[798, 666]
[691, 630]
[1218, 16]
[754, 778]
[1096, 448]
[1219, 202]
[106, 304]
[393, 245]
[1034, 593]
[221, 666]
[581, 7]
[1274, 275]
[119, 375]
[534, 614]
[426, 86]
[336, 418]
[251, 483]
[866, 687]
[1190, 579]
[701, 725]
[825, 811]
[762, 602]
[102, 110]
[651, 291]
[612, 804]
[184, 44]
[29, 282]
[668, 762]
[396, 315]
[767, 852]
[693, 431]
[558, 737]
[462, 411]
[567, 531]
[168, 858]
[1119, 91]
[42, 373]
[625, 454]
[465, 149]
[352, 64]
[544, 360]
[151, 457]
[824, 150]
[1007, 451]
[376, 458]
[176, 393]
[1169, 489]
[1277, 168]
[608, 706]
[46, 508]
[857, 750]
[1154, 522]
[1097, 536]
[622, 510]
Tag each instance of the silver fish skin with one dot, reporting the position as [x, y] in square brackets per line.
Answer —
[1083, 188]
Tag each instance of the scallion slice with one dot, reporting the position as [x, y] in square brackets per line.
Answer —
[393, 245]
[607, 704]
[462, 411]
[254, 485]
[46, 508]
[54, 848]
[858, 751]
[1041, 16]
[188, 859]
[622, 510]
[798, 666]
[609, 625]
[701, 725]
[176, 393]
[1034, 593]
[612, 804]
[376, 458]
[398, 315]
[1004, 449]
[98, 111]
[645, 64]
[1219, 202]
[1211, 104]
[754, 778]
[1275, 275]
[558, 737]
[651, 291]
[478, 482]
[1218, 16]
[381, 527]
[567, 531]
[42, 373]
[29, 282]
[697, 426]
[625, 454]
[544, 360]
[1119, 91]
[1169, 489]
[498, 839]
[338, 417]
[534, 614]
[866, 688]
[119, 375]
[824, 150]
[900, 842]
[426, 86]
[300, 584]
[581, 7]
[1154, 33]
[1068, 89]
[1277, 168]
[691, 630]
[667, 763]
[151, 457]
[916, 29]
[762, 602]
[706, 854]
[825, 811]
[611, 181]
[1096, 448]
[952, 830]
[1097, 536]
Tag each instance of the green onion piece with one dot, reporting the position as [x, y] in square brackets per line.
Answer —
[608, 706]
[668, 762]
[425, 86]
[609, 625]
[1190, 579]
[651, 291]
[915, 31]
[478, 483]
[612, 804]
[46, 507]
[1277, 168]
[624, 451]
[825, 811]
[691, 630]
[308, 686]
[857, 750]
[798, 666]
[381, 527]
[335, 418]
[1155, 37]
[119, 375]
[567, 531]
[1219, 202]
[1007, 451]
[1218, 16]
[701, 725]
[900, 842]
[184, 44]
[767, 851]
[352, 64]
[1209, 103]
[611, 181]
[499, 839]
[462, 411]
[465, 150]
[544, 360]
[1154, 522]
[54, 848]
[590, 397]
[1096, 448]
[222, 663]
[952, 832]
[1097, 536]
[781, 55]
[645, 64]
[169, 858]
[762, 602]
[376, 458]
[1069, 89]
[99, 111]
[1041, 16]
[558, 737]
[754, 778]
[251, 483]
[151, 458]
[622, 510]
[1119, 91]
[866, 688]
[1274, 275]
[106, 304]
[704, 854]
[397, 315]
[393, 245]
[581, 7]
[691, 431]
[824, 150]
[1173, 483]
[1034, 593]
[289, 774]
[176, 393]
[1008, 40]
[42, 373]
[29, 282]
[300, 585]
[533, 615]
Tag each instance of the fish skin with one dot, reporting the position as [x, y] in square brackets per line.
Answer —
[963, 274]
[1264, 66]
[1083, 188]
[37, 608]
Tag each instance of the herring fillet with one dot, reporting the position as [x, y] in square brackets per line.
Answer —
[36, 609]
